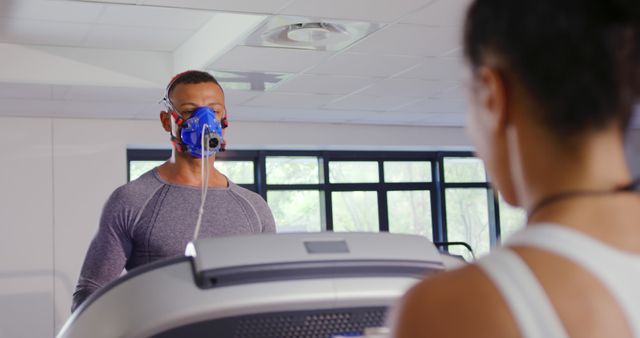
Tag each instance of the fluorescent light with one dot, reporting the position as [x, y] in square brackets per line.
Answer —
[257, 81]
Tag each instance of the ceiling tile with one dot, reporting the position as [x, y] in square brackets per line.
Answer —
[249, 59]
[150, 111]
[448, 69]
[453, 91]
[357, 64]
[370, 103]
[368, 10]
[442, 120]
[127, 2]
[403, 39]
[146, 16]
[86, 109]
[238, 97]
[436, 106]
[248, 6]
[136, 38]
[35, 32]
[291, 100]
[26, 107]
[59, 91]
[25, 91]
[403, 88]
[396, 118]
[245, 113]
[59, 11]
[440, 13]
[314, 84]
[115, 94]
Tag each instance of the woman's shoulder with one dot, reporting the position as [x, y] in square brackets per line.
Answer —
[458, 303]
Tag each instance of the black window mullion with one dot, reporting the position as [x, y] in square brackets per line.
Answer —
[295, 186]
[383, 212]
[441, 225]
[261, 174]
[328, 207]
[496, 236]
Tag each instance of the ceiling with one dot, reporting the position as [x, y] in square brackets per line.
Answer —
[112, 59]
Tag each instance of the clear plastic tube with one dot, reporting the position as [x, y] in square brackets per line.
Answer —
[204, 176]
[173, 134]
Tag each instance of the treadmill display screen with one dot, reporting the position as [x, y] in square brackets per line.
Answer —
[325, 247]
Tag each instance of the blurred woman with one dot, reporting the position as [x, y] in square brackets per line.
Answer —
[554, 84]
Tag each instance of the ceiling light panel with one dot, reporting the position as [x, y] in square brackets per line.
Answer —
[136, 38]
[366, 65]
[249, 81]
[37, 32]
[338, 85]
[146, 16]
[248, 59]
[291, 100]
[367, 10]
[246, 6]
[448, 13]
[310, 33]
[412, 88]
[402, 39]
[59, 11]
[370, 103]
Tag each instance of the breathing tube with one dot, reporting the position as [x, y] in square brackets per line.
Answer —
[205, 142]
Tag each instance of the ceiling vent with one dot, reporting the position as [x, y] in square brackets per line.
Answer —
[310, 33]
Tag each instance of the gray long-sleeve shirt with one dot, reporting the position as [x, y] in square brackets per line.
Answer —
[149, 219]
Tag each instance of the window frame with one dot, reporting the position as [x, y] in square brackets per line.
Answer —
[436, 188]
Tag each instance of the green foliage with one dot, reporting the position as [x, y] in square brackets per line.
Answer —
[355, 211]
[410, 212]
[239, 172]
[464, 170]
[137, 168]
[353, 172]
[292, 170]
[399, 172]
[468, 219]
[296, 210]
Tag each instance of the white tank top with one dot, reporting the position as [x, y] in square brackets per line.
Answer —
[527, 301]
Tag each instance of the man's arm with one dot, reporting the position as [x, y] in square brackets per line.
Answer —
[109, 249]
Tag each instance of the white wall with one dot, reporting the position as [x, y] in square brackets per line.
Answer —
[57, 174]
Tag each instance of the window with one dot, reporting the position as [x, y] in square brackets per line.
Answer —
[445, 196]
[410, 212]
[355, 211]
[294, 193]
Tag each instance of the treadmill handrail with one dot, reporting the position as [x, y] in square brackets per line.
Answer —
[237, 275]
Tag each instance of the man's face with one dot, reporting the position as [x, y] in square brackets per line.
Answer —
[187, 97]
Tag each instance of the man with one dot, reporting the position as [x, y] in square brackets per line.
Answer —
[155, 216]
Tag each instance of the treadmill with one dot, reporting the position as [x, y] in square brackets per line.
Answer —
[268, 285]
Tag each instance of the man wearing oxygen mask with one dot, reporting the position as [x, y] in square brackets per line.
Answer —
[155, 216]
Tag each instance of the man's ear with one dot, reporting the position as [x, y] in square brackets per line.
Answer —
[165, 119]
[492, 96]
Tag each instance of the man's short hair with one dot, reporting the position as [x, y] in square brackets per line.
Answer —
[190, 77]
